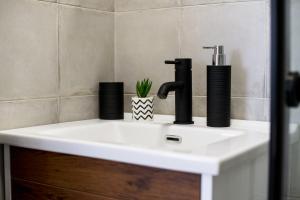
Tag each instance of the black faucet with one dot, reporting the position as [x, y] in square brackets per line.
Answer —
[183, 90]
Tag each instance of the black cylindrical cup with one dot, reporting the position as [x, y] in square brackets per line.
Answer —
[111, 100]
[218, 96]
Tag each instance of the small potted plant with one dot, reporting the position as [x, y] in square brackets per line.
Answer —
[142, 105]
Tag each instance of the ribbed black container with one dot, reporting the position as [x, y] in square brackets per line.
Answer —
[111, 100]
[218, 96]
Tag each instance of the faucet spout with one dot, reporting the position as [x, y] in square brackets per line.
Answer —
[167, 87]
[183, 90]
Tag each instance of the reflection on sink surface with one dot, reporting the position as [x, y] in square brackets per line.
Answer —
[192, 139]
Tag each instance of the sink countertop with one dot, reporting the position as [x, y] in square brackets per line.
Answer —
[203, 150]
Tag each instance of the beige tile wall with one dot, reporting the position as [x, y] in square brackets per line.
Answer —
[53, 53]
[149, 32]
[52, 56]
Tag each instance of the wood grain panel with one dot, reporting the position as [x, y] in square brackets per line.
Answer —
[100, 177]
[25, 190]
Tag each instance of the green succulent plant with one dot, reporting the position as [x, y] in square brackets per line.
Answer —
[143, 88]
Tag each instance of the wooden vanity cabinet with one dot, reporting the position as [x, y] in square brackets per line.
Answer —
[41, 175]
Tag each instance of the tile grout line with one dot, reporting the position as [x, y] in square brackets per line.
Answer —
[267, 63]
[266, 50]
[114, 9]
[85, 8]
[189, 6]
[58, 64]
[180, 31]
[75, 6]
[126, 94]
[28, 99]
[115, 44]
[44, 98]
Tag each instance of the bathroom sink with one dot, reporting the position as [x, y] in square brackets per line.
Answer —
[146, 135]
[193, 148]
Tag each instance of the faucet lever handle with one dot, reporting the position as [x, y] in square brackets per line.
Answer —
[172, 62]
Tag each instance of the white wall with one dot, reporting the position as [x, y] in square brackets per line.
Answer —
[52, 56]
[149, 32]
[54, 53]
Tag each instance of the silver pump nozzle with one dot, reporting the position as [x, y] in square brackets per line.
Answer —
[219, 57]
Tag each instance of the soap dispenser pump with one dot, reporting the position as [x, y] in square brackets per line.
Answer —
[218, 89]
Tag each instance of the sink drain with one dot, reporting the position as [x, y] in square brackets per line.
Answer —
[173, 139]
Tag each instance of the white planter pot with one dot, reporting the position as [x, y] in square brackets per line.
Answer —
[142, 108]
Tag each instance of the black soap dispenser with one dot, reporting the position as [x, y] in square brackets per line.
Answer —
[218, 89]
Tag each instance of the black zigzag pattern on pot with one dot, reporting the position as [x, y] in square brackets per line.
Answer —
[142, 109]
[142, 117]
[147, 112]
[143, 102]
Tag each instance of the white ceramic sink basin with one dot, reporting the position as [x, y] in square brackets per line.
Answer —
[146, 135]
[189, 148]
